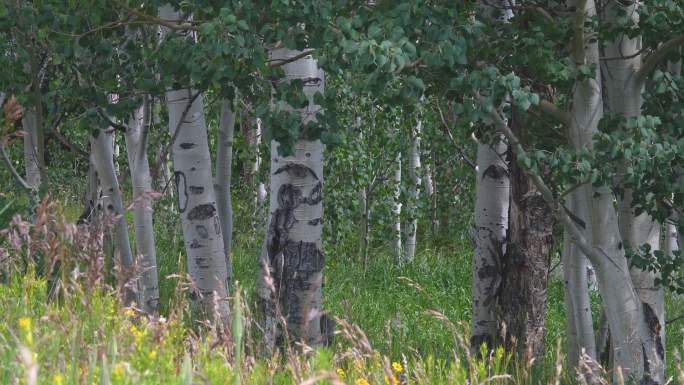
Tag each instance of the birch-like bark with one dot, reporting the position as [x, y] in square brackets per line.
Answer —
[197, 202]
[196, 198]
[396, 210]
[31, 150]
[414, 192]
[623, 91]
[138, 163]
[492, 200]
[294, 262]
[629, 332]
[365, 213]
[224, 164]
[102, 150]
[432, 197]
[579, 321]
[492, 193]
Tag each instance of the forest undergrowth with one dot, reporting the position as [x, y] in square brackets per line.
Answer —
[395, 325]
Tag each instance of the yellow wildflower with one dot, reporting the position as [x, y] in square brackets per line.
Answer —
[58, 379]
[129, 312]
[341, 373]
[118, 371]
[25, 323]
[153, 354]
[395, 380]
[137, 333]
[397, 367]
[362, 381]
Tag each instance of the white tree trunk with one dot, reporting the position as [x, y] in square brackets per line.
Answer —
[196, 198]
[31, 163]
[197, 201]
[432, 197]
[624, 97]
[629, 332]
[492, 199]
[363, 227]
[414, 192]
[579, 322]
[397, 242]
[637, 230]
[670, 242]
[224, 161]
[293, 243]
[136, 148]
[102, 150]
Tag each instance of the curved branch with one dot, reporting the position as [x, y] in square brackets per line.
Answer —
[20, 180]
[279, 62]
[656, 57]
[559, 210]
[553, 110]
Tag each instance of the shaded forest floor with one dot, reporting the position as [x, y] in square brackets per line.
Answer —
[415, 319]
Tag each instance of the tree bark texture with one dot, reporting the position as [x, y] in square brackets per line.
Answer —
[623, 91]
[414, 170]
[32, 154]
[196, 198]
[224, 164]
[492, 193]
[292, 270]
[138, 163]
[197, 202]
[102, 150]
[525, 268]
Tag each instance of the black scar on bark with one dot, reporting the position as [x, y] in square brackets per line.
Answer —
[181, 190]
[153, 303]
[315, 222]
[647, 379]
[495, 171]
[110, 207]
[202, 262]
[202, 231]
[654, 326]
[328, 326]
[202, 212]
[477, 340]
[295, 265]
[296, 170]
[289, 197]
[315, 196]
[196, 190]
[195, 244]
[187, 146]
[217, 226]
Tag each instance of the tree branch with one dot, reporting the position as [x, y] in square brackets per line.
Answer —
[559, 212]
[656, 57]
[20, 180]
[460, 150]
[279, 62]
[68, 144]
[553, 110]
[163, 154]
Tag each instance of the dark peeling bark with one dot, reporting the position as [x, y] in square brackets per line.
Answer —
[293, 257]
[525, 268]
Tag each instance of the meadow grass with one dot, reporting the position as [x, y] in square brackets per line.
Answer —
[405, 324]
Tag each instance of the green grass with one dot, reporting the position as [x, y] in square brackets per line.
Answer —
[87, 339]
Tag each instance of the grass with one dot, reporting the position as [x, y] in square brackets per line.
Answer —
[413, 318]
